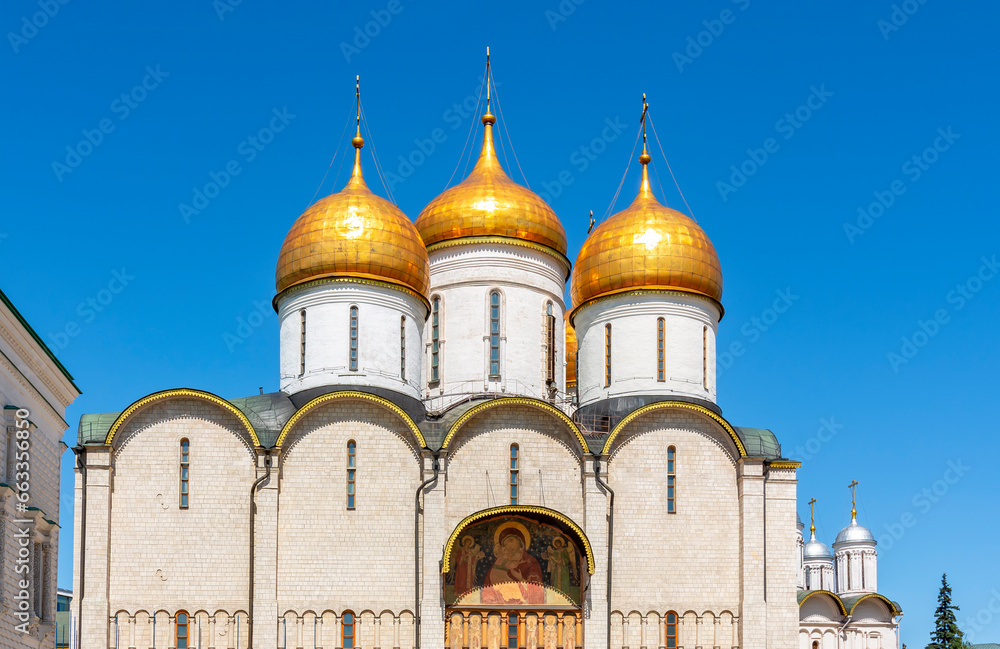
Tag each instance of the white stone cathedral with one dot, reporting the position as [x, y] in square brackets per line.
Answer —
[447, 464]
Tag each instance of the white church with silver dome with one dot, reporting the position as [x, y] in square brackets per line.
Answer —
[457, 457]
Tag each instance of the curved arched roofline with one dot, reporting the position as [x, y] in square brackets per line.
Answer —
[831, 594]
[888, 602]
[515, 401]
[518, 509]
[350, 394]
[180, 393]
[638, 412]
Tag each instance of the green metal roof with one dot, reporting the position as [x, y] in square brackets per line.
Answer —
[760, 442]
[38, 339]
[94, 428]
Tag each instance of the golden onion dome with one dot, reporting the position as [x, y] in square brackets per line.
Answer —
[489, 204]
[646, 246]
[570, 354]
[354, 234]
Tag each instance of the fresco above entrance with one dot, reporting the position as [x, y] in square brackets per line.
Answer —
[510, 560]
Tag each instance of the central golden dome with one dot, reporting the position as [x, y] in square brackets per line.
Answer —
[489, 204]
[354, 234]
[646, 246]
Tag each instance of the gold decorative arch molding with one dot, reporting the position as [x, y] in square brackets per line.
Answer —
[675, 404]
[350, 394]
[515, 401]
[181, 393]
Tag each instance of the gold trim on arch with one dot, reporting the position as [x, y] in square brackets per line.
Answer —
[182, 392]
[515, 401]
[674, 404]
[786, 465]
[350, 394]
[836, 598]
[892, 605]
[517, 509]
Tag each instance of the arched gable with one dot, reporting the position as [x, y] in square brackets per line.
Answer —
[609, 445]
[832, 602]
[516, 401]
[872, 601]
[542, 514]
[346, 395]
[181, 393]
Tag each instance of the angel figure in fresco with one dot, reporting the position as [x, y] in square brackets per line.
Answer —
[469, 553]
[561, 563]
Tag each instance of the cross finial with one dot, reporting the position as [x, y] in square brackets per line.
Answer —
[591, 226]
[358, 141]
[854, 510]
[488, 79]
[642, 120]
[812, 517]
[357, 94]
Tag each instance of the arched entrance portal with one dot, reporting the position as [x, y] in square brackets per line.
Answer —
[514, 578]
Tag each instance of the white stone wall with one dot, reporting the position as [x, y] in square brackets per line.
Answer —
[462, 277]
[683, 561]
[315, 560]
[633, 319]
[332, 557]
[478, 464]
[162, 556]
[327, 308]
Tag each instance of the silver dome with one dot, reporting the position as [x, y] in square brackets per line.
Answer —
[798, 522]
[855, 533]
[817, 550]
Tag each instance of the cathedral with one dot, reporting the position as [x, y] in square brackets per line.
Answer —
[458, 457]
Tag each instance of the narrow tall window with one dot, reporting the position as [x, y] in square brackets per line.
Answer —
[185, 470]
[302, 342]
[402, 347]
[550, 344]
[671, 480]
[661, 369]
[181, 631]
[670, 631]
[607, 355]
[352, 468]
[347, 631]
[514, 469]
[354, 339]
[704, 356]
[512, 629]
[436, 340]
[495, 335]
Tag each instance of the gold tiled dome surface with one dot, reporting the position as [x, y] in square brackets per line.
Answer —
[646, 245]
[570, 354]
[354, 233]
[489, 204]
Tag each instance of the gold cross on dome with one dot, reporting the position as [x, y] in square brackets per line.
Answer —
[812, 516]
[854, 510]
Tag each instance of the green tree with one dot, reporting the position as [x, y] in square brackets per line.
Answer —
[946, 634]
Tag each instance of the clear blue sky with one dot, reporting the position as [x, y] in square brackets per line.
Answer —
[877, 94]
